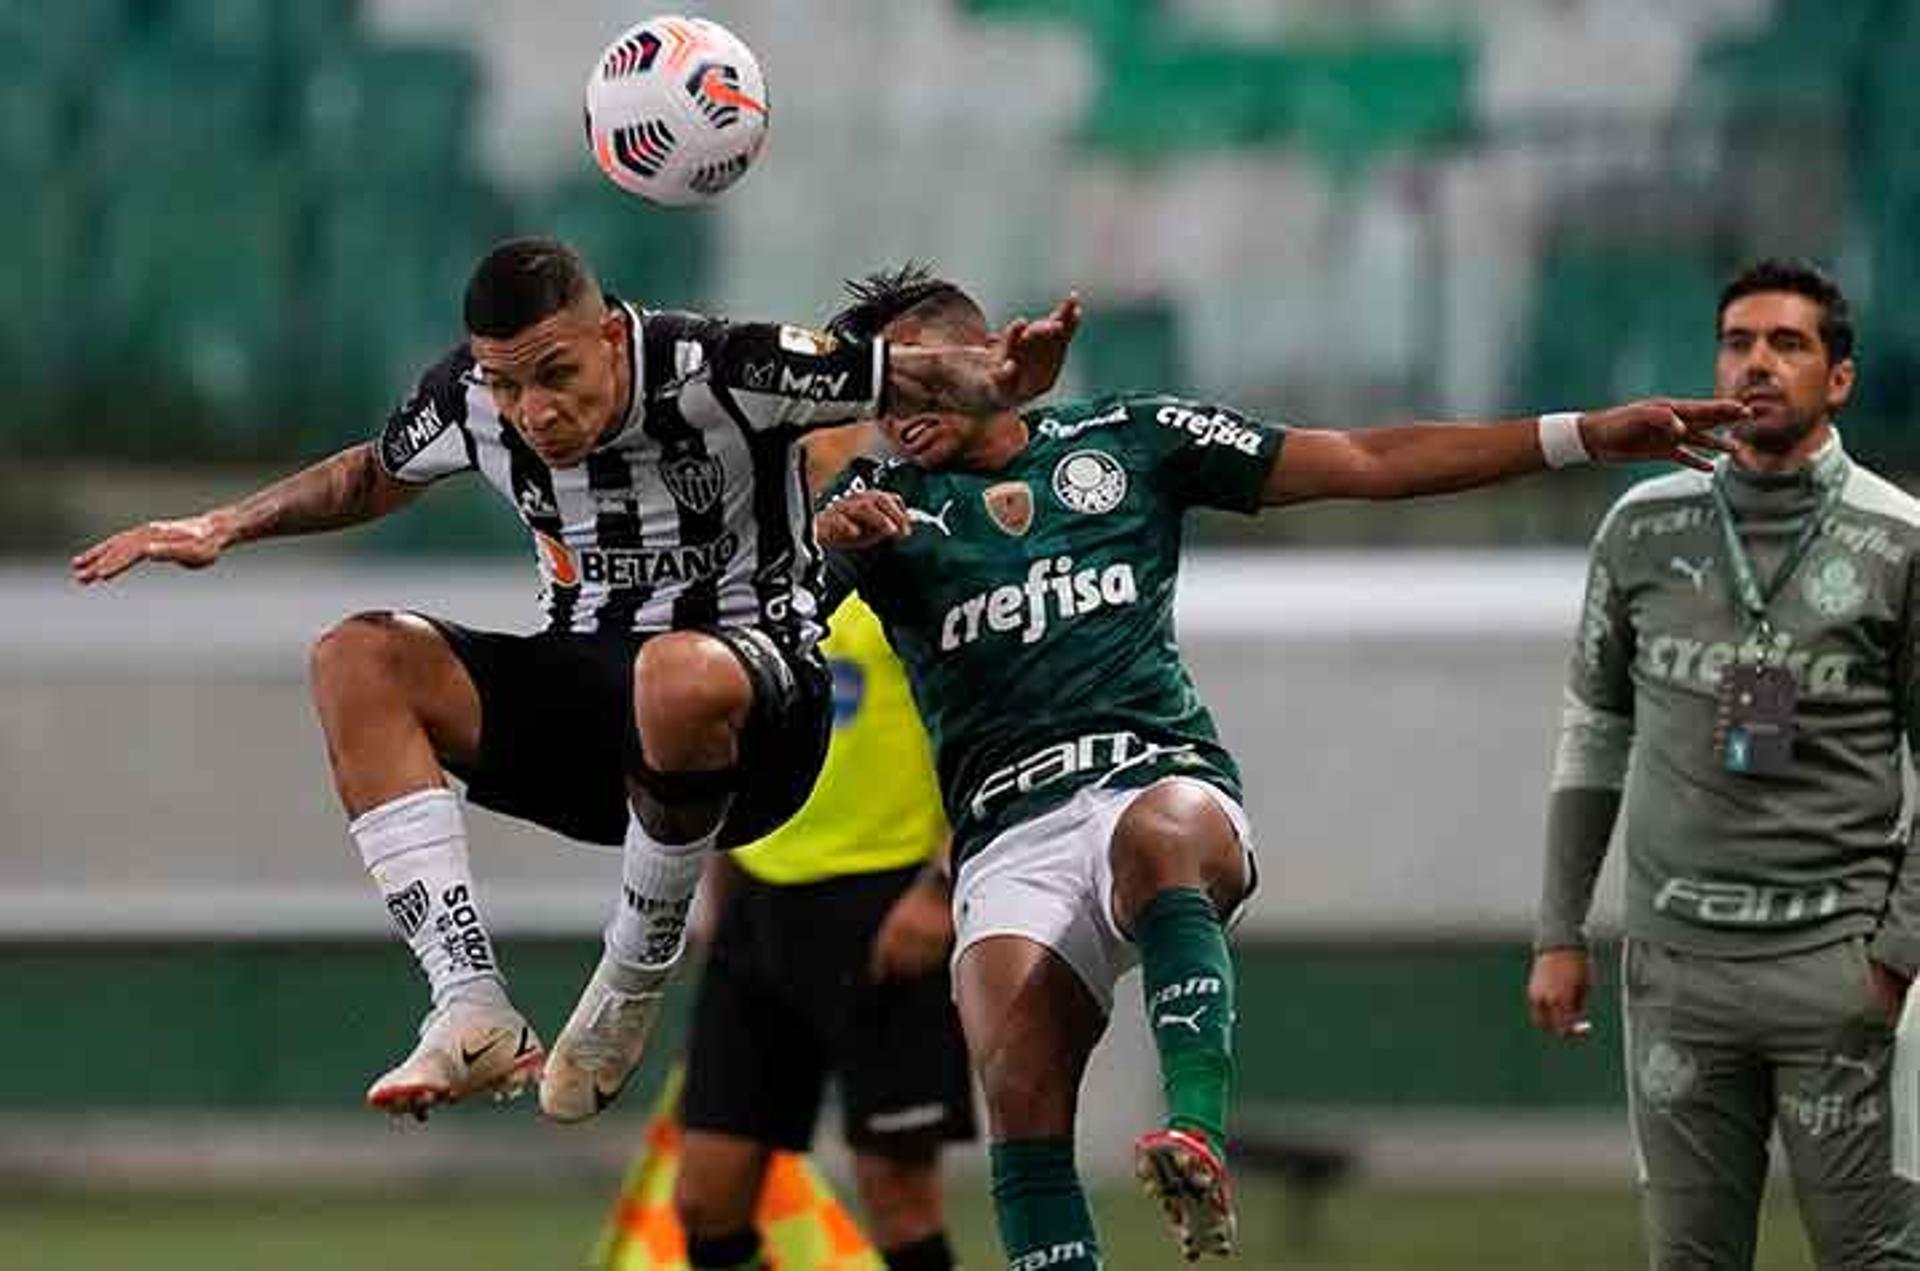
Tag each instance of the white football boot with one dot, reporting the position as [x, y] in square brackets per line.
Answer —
[601, 1045]
[465, 1048]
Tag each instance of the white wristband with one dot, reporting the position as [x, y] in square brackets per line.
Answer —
[1560, 443]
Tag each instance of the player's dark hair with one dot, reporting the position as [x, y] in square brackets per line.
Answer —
[522, 281]
[1800, 278]
[913, 289]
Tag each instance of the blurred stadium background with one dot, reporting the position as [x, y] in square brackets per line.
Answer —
[238, 226]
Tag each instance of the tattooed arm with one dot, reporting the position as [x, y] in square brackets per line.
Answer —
[349, 488]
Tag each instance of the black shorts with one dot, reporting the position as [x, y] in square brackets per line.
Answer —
[786, 1001]
[558, 741]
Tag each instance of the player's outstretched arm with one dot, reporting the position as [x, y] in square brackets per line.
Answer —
[347, 489]
[1023, 361]
[1415, 459]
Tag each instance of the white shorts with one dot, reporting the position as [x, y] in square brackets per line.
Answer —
[1051, 880]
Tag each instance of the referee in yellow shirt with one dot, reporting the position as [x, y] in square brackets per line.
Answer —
[829, 957]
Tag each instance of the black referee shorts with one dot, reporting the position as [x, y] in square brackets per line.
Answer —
[786, 1002]
[558, 741]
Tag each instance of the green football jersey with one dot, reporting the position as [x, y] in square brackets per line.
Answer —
[1033, 606]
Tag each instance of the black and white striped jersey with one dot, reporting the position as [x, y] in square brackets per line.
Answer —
[693, 512]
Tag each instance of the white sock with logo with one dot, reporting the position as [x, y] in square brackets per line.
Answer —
[648, 932]
[416, 849]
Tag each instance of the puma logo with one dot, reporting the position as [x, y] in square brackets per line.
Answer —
[936, 519]
[1695, 574]
[1191, 1021]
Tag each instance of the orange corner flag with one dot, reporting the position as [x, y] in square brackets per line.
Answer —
[803, 1226]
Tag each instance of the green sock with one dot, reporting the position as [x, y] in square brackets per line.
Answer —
[1186, 974]
[1044, 1221]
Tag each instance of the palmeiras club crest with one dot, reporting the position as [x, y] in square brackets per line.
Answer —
[1667, 1074]
[1009, 506]
[1090, 481]
[1835, 588]
[695, 482]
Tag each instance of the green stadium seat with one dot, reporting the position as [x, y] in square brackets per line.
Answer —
[193, 304]
[41, 321]
[289, 33]
[1890, 102]
[164, 106]
[1834, 32]
[65, 34]
[403, 110]
[1895, 262]
[242, 26]
[1183, 98]
[1349, 105]
[1611, 323]
[389, 265]
[1111, 23]
[1742, 76]
[1806, 60]
[1132, 348]
[654, 256]
[1345, 104]
[36, 125]
[309, 29]
[1879, 422]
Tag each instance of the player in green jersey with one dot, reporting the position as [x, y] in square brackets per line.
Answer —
[1748, 638]
[1024, 568]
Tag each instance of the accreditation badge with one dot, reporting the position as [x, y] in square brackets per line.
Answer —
[1753, 725]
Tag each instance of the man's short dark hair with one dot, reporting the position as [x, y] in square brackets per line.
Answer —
[1801, 278]
[881, 298]
[522, 281]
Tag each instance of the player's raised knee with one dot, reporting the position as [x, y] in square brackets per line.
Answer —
[686, 679]
[1174, 836]
[357, 649]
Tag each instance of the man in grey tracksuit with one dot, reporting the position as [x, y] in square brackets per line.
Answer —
[1748, 641]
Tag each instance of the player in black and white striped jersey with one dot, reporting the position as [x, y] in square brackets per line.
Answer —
[674, 701]
[693, 513]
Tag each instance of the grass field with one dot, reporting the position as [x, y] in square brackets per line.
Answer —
[1526, 1227]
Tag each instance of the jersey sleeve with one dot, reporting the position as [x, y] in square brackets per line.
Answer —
[1601, 671]
[425, 437]
[767, 375]
[1596, 724]
[1206, 455]
[863, 472]
[844, 571]
[1591, 755]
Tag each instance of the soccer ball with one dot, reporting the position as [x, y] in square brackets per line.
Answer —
[676, 110]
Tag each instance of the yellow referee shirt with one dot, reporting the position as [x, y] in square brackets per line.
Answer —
[877, 803]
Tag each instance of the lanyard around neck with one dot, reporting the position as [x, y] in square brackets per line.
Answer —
[1746, 582]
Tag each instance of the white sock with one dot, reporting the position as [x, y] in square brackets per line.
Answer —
[416, 849]
[648, 932]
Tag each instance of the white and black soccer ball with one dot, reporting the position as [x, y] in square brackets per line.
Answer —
[676, 110]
